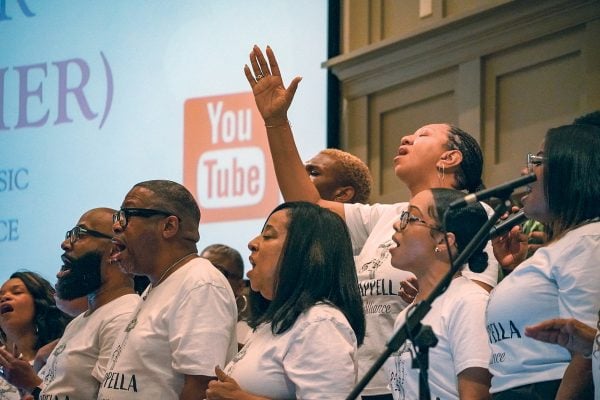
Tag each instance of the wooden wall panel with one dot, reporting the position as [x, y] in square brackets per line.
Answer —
[503, 70]
[529, 89]
[399, 111]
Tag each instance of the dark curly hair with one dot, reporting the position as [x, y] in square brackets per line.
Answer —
[49, 321]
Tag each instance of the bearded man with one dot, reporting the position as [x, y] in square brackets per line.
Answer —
[77, 364]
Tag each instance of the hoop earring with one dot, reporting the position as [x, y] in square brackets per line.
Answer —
[242, 307]
[442, 175]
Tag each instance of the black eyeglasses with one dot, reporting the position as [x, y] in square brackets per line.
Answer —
[74, 234]
[532, 161]
[406, 218]
[122, 216]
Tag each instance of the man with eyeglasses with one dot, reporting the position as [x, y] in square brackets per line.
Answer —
[185, 324]
[76, 366]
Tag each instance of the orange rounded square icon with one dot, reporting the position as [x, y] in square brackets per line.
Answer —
[226, 160]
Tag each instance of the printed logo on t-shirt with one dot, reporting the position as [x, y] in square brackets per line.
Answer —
[53, 397]
[499, 331]
[119, 381]
[377, 287]
[241, 354]
[51, 369]
[381, 255]
[399, 371]
[115, 356]
[7, 391]
[236, 358]
[374, 291]
[131, 325]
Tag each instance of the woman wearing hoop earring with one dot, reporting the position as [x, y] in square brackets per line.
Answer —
[229, 261]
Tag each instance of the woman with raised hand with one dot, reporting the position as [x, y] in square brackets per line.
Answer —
[424, 246]
[436, 155]
[29, 319]
[306, 311]
[560, 280]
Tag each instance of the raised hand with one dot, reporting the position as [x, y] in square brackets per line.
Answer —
[271, 96]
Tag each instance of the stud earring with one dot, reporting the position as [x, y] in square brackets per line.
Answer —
[437, 250]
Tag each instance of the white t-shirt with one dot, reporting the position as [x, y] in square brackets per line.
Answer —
[185, 326]
[457, 318]
[371, 228]
[561, 280]
[8, 391]
[314, 359]
[243, 331]
[77, 364]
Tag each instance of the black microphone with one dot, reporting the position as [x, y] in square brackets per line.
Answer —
[503, 190]
[507, 224]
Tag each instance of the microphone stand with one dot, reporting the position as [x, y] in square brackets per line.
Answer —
[413, 328]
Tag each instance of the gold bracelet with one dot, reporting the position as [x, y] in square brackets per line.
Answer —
[287, 122]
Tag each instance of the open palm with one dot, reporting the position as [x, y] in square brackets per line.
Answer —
[272, 98]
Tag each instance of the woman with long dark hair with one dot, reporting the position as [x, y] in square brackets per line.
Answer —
[308, 321]
[560, 280]
[29, 319]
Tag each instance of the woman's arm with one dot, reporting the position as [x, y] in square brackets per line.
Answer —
[576, 337]
[469, 344]
[273, 100]
[577, 379]
[194, 387]
[474, 384]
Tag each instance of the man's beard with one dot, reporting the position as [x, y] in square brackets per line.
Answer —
[84, 277]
